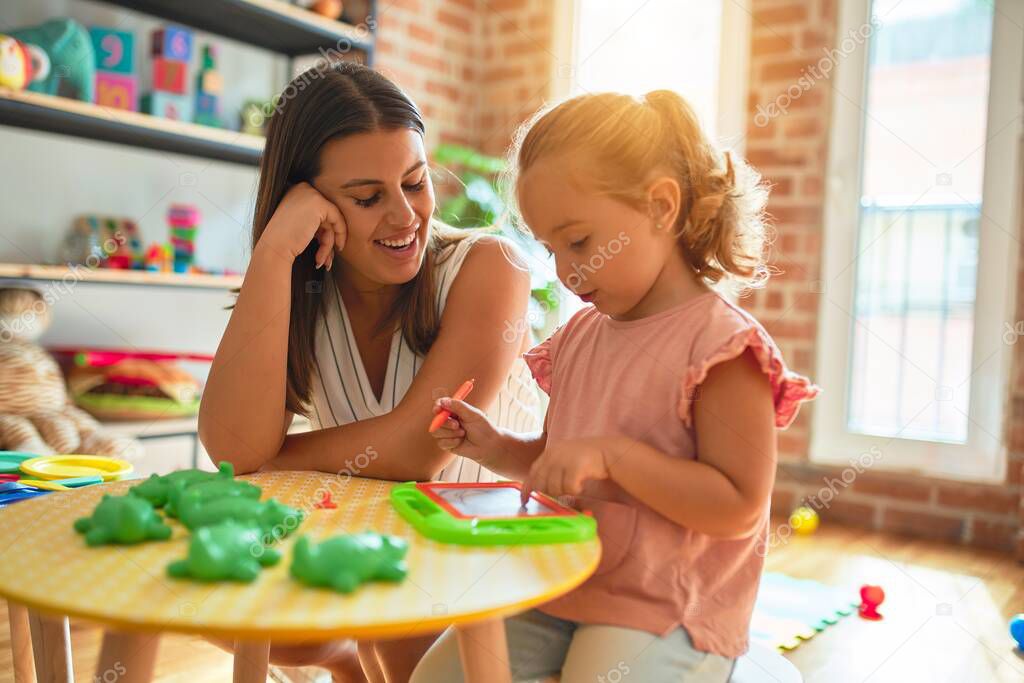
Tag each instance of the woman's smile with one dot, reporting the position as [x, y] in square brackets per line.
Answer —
[402, 245]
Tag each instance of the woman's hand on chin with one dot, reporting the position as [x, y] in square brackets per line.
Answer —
[302, 215]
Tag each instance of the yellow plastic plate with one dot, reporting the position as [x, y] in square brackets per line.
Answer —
[66, 466]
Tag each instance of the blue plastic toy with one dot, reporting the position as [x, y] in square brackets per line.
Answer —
[1017, 630]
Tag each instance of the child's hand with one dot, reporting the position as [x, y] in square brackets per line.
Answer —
[302, 215]
[564, 467]
[468, 432]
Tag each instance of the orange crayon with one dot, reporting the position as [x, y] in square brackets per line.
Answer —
[459, 395]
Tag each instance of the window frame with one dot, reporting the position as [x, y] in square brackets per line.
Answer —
[983, 456]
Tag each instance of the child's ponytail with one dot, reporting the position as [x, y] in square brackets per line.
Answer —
[721, 226]
[721, 221]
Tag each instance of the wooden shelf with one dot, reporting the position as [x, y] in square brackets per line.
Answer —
[154, 429]
[111, 276]
[270, 24]
[86, 120]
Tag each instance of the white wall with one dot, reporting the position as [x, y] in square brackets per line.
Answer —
[46, 180]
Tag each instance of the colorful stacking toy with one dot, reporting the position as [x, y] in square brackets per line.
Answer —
[171, 50]
[184, 222]
[209, 87]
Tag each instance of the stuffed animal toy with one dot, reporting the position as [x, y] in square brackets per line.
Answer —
[36, 415]
[72, 60]
[21, 64]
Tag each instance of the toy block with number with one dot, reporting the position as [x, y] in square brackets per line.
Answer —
[207, 104]
[116, 91]
[209, 82]
[172, 42]
[169, 76]
[114, 50]
[168, 105]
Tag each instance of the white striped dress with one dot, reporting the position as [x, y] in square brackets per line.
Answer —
[341, 392]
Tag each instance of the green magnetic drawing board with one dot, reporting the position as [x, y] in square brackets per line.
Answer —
[488, 514]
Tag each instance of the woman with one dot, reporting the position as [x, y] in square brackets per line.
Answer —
[357, 310]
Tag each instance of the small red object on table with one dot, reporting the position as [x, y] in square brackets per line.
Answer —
[871, 597]
[325, 502]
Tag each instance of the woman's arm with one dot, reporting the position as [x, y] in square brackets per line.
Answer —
[482, 331]
[242, 417]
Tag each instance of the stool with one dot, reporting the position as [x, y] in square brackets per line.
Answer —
[764, 665]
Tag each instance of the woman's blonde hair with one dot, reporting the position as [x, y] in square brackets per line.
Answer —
[621, 139]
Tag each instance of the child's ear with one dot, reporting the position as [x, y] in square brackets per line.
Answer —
[664, 197]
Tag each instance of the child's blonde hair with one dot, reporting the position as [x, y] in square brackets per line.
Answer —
[721, 222]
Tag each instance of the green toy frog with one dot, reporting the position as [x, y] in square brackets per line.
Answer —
[228, 551]
[343, 562]
[122, 520]
[272, 516]
[205, 491]
[157, 488]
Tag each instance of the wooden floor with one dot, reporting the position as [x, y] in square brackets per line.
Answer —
[946, 614]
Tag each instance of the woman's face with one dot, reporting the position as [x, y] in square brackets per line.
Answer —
[380, 183]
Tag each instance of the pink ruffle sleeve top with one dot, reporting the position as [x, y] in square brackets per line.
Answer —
[637, 379]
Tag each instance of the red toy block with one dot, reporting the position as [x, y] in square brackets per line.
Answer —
[116, 91]
[169, 75]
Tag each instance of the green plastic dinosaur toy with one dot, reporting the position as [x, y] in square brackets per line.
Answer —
[272, 516]
[122, 520]
[343, 562]
[157, 488]
[228, 551]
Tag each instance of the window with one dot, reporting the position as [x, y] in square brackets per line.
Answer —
[920, 236]
[698, 49]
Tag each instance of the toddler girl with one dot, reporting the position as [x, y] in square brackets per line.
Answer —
[665, 397]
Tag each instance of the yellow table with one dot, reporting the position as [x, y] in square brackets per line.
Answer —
[48, 573]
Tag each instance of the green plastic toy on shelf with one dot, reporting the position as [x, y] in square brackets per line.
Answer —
[122, 520]
[273, 517]
[228, 551]
[157, 488]
[342, 563]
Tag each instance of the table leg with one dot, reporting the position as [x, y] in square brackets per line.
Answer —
[127, 657]
[51, 646]
[21, 643]
[251, 661]
[484, 652]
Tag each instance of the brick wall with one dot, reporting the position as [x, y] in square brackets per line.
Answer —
[477, 68]
[792, 151]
